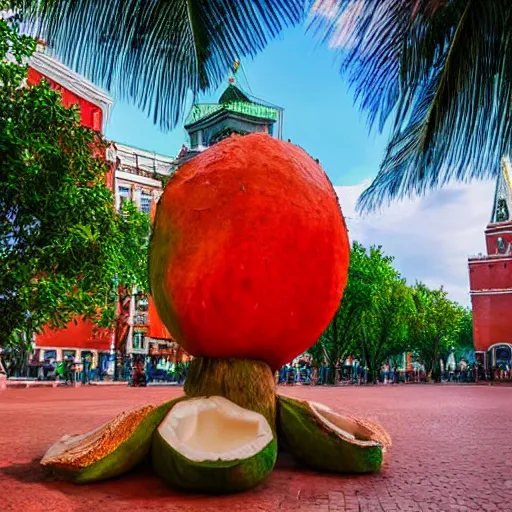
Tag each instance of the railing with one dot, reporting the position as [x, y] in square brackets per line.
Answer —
[157, 174]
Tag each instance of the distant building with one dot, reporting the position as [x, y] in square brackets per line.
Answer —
[490, 277]
[80, 337]
[236, 112]
[135, 175]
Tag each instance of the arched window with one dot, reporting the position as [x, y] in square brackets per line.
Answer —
[503, 355]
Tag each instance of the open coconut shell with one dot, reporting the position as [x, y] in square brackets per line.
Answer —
[326, 440]
[210, 444]
[109, 450]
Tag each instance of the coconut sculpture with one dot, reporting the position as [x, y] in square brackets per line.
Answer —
[248, 263]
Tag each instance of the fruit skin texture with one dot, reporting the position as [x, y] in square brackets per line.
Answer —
[125, 457]
[214, 477]
[249, 253]
[307, 439]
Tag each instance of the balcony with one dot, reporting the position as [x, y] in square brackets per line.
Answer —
[140, 319]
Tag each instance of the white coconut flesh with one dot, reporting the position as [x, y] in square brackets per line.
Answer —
[345, 427]
[213, 429]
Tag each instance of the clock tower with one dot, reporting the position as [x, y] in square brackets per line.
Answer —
[490, 278]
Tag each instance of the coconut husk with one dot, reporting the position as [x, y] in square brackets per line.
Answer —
[109, 450]
[234, 450]
[326, 440]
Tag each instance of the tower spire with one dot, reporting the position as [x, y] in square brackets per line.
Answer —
[502, 206]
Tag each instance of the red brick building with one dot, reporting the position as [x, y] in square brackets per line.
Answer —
[134, 175]
[490, 278]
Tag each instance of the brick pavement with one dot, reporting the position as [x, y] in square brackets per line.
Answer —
[451, 452]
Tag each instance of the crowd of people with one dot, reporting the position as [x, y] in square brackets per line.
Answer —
[141, 370]
[353, 371]
[138, 371]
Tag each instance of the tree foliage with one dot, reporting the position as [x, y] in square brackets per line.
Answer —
[63, 248]
[371, 319]
[440, 72]
[381, 316]
[435, 326]
[155, 53]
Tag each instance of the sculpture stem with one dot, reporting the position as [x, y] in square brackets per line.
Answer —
[249, 384]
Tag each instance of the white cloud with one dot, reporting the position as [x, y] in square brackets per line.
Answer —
[430, 237]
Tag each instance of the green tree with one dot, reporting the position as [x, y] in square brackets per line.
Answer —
[370, 321]
[155, 53]
[464, 344]
[439, 74]
[435, 326]
[63, 248]
[336, 342]
[384, 328]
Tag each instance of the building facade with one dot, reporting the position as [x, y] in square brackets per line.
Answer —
[236, 112]
[139, 176]
[490, 278]
[80, 337]
[135, 175]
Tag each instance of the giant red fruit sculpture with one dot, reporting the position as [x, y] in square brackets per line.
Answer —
[248, 262]
[250, 251]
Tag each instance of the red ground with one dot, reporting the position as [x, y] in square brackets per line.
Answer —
[451, 451]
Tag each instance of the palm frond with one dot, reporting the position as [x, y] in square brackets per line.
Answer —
[157, 52]
[441, 70]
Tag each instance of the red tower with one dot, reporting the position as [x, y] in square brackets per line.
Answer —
[490, 280]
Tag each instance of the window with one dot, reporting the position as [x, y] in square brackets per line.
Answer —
[68, 353]
[194, 140]
[124, 195]
[50, 354]
[85, 354]
[145, 202]
[138, 340]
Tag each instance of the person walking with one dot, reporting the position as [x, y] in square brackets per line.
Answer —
[69, 370]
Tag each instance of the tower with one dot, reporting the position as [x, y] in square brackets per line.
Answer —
[490, 278]
[237, 112]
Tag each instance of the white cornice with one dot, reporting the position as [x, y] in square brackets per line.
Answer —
[131, 150]
[495, 258]
[135, 178]
[77, 84]
[504, 291]
[501, 227]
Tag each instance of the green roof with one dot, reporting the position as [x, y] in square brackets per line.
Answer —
[232, 94]
[202, 111]
[233, 100]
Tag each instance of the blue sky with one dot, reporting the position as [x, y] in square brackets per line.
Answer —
[298, 74]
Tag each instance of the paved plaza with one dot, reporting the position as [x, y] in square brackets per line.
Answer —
[451, 451]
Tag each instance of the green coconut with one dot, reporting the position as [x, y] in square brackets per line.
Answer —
[249, 384]
[326, 440]
[109, 450]
[210, 444]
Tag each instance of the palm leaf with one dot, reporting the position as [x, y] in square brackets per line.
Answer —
[157, 53]
[441, 71]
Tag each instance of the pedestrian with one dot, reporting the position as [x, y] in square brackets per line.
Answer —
[69, 370]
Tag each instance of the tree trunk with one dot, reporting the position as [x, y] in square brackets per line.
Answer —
[331, 377]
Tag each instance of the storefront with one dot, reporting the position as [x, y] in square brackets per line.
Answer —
[500, 356]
